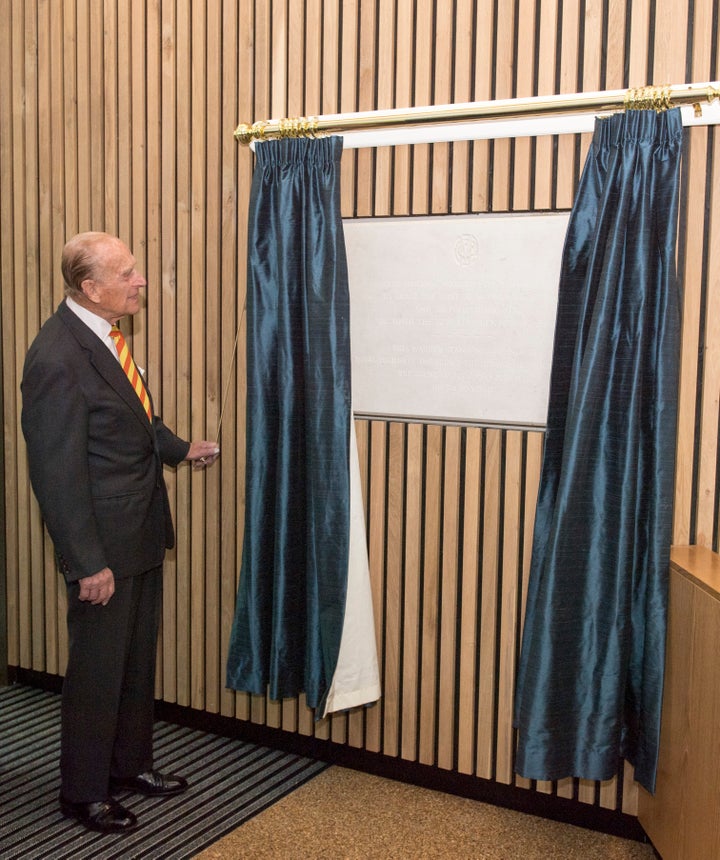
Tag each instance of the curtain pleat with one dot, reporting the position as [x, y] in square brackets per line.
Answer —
[590, 677]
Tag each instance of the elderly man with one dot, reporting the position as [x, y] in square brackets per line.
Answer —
[96, 451]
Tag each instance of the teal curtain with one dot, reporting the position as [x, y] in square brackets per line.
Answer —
[590, 677]
[291, 598]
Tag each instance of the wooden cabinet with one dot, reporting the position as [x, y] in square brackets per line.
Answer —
[682, 818]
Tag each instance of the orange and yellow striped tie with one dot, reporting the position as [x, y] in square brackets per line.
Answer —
[128, 365]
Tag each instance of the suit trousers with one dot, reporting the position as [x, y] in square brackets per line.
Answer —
[108, 692]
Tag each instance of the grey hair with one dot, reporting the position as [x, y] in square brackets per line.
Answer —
[79, 260]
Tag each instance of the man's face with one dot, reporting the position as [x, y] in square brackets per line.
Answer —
[115, 288]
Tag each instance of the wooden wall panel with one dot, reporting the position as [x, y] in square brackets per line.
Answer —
[119, 116]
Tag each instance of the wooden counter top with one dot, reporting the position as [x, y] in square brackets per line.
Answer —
[699, 564]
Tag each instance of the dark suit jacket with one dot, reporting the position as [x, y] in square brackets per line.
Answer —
[95, 459]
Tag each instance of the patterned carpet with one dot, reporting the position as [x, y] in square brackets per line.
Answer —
[230, 782]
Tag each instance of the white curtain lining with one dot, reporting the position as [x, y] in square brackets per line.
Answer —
[356, 680]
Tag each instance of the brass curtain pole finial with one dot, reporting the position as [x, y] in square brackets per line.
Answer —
[246, 134]
[713, 93]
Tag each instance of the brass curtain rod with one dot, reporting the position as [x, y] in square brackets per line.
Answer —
[642, 98]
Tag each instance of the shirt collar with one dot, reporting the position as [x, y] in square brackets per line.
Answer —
[98, 325]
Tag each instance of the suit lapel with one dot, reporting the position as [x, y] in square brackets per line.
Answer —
[105, 364]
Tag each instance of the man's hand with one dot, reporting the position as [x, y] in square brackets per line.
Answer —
[98, 588]
[203, 454]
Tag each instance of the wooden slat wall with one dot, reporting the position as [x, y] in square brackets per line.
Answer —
[119, 116]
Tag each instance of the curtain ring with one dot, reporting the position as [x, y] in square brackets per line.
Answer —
[648, 98]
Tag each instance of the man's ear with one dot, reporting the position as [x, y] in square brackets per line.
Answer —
[89, 288]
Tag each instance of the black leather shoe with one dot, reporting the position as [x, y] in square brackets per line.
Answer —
[150, 783]
[105, 816]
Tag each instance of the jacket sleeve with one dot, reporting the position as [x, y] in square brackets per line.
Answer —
[172, 448]
[55, 426]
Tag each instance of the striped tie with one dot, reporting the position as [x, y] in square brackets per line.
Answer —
[128, 365]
